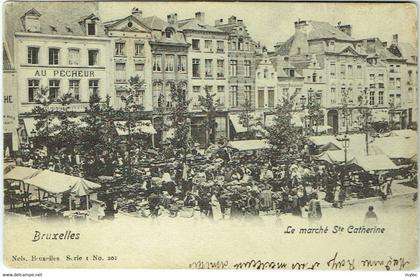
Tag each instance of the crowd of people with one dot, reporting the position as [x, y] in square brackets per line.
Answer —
[216, 183]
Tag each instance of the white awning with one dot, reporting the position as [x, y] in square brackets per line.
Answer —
[405, 133]
[324, 140]
[30, 124]
[55, 182]
[322, 128]
[236, 122]
[247, 145]
[397, 147]
[374, 163]
[20, 173]
[142, 126]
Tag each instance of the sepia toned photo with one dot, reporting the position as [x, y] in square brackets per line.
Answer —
[210, 135]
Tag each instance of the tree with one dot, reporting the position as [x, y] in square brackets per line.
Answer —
[246, 118]
[282, 135]
[56, 128]
[364, 118]
[180, 120]
[208, 105]
[315, 114]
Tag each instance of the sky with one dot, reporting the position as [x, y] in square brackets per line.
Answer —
[270, 22]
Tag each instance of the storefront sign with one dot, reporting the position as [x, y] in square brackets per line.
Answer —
[70, 73]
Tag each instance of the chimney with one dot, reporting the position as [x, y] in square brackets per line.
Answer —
[395, 39]
[218, 22]
[136, 12]
[172, 18]
[200, 16]
[345, 29]
[232, 20]
[301, 25]
[385, 44]
[240, 22]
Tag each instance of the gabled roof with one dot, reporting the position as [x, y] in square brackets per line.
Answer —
[408, 52]
[323, 30]
[154, 22]
[283, 48]
[193, 24]
[111, 24]
[348, 48]
[32, 11]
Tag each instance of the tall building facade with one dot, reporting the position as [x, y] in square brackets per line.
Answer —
[56, 52]
[207, 63]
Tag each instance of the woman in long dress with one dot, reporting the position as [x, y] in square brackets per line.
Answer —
[215, 207]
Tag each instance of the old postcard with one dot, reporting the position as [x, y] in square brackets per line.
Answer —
[210, 135]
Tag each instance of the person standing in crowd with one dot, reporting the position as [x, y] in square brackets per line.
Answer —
[314, 208]
[370, 217]
[215, 207]
[154, 203]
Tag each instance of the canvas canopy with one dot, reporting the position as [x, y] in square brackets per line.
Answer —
[55, 182]
[324, 140]
[236, 122]
[397, 147]
[21, 173]
[334, 157]
[406, 133]
[374, 163]
[247, 145]
[30, 124]
[142, 126]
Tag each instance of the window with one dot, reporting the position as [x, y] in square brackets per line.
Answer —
[196, 44]
[221, 95]
[208, 45]
[241, 44]
[397, 68]
[93, 87]
[271, 97]
[398, 100]
[381, 85]
[381, 98]
[233, 66]
[91, 27]
[372, 98]
[74, 56]
[220, 46]
[391, 99]
[33, 89]
[298, 50]
[332, 70]
[391, 83]
[74, 88]
[260, 97]
[54, 89]
[314, 77]
[169, 63]
[196, 68]
[391, 68]
[410, 95]
[120, 73]
[182, 63]
[247, 91]
[350, 71]
[247, 68]
[410, 76]
[234, 96]
[169, 33]
[380, 77]
[196, 89]
[333, 96]
[119, 49]
[220, 68]
[331, 46]
[168, 97]
[359, 72]
[138, 49]
[157, 63]
[233, 45]
[398, 82]
[372, 78]
[292, 73]
[343, 71]
[93, 57]
[247, 46]
[157, 95]
[139, 66]
[33, 55]
[53, 56]
[208, 67]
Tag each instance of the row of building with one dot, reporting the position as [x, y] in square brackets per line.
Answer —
[69, 49]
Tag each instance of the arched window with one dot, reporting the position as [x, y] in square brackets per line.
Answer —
[314, 77]
[168, 95]
[157, 95]
[265, 73]
[169, 32]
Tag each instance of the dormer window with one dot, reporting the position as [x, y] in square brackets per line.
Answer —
[31, 21]
[292, 73]
[169, 32]
[331, 45]
[91, 28]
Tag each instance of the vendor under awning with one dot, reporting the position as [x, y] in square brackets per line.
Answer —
[141, 126]
[236, 122]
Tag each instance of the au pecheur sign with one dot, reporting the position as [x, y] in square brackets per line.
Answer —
[70, 73]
